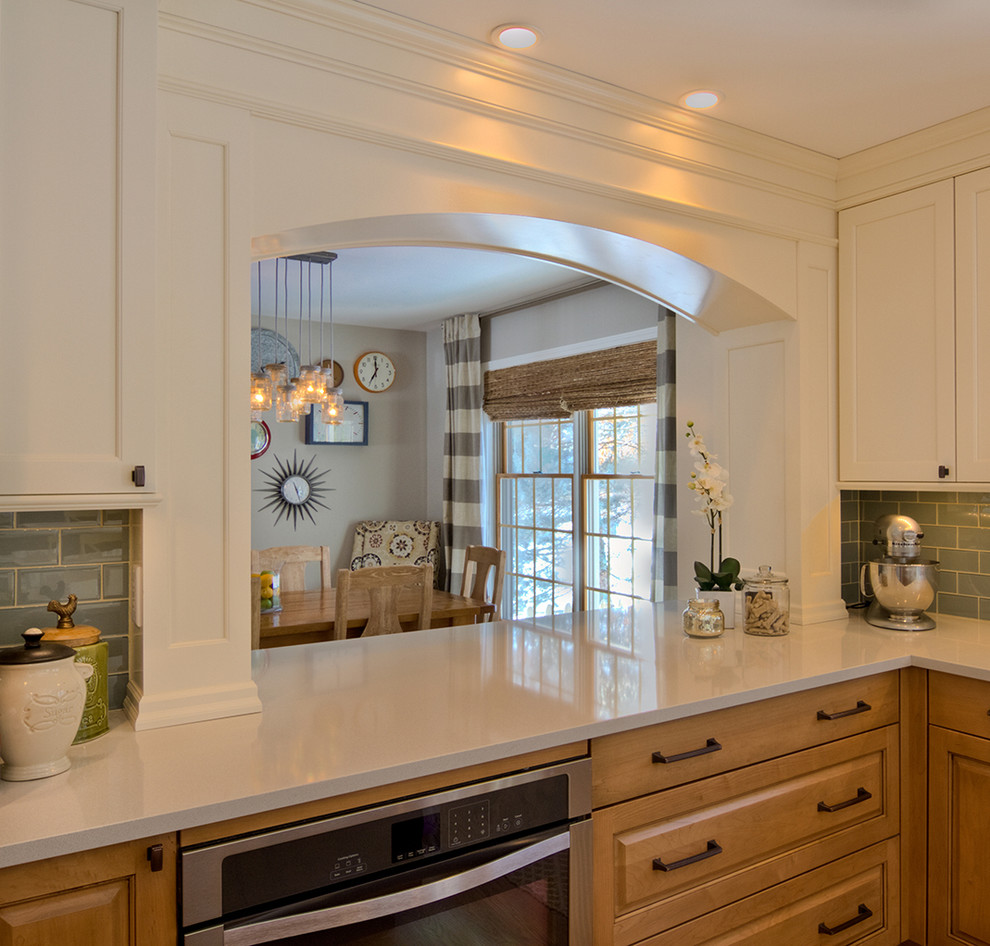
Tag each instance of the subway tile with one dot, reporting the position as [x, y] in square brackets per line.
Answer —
[117, 650]
[81, 546]
[970, 584]
[869, 495]
[936, 497]
[109, 617]
[985, 609]
[116, 690]
[874, 510]
[899, 496]
[116, 517]
[115, 580]
[948, 581]
[945, 537]
[984, 564]
[960, 560]
[20, 548]
[972, 539]
[959, 514]
[925, 514]
[850, 593]
[6, 520]
[976, 497]
[959, 605]
[6, 589]
[37, 585]
[984, 517]
[57, 520]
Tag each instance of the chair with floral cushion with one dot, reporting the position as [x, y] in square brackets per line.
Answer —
[380, 542]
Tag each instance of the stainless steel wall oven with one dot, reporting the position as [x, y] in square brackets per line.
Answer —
[493, 863]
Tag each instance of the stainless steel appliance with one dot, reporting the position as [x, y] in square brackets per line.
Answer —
[900, 584]
[504, 861]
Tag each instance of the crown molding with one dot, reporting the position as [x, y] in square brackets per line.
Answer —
[466, 55]
[278, 112]
[931, 154]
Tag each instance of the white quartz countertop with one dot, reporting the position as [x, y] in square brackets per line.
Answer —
[348, 715]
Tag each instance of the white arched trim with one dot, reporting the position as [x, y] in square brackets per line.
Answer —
[702, 294]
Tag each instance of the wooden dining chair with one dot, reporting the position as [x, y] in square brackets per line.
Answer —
[290, 562]
[480, 563]
[384, 585]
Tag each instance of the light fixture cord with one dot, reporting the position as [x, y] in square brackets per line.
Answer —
[309, 304]
[259, 317]
[333, 375]
[321, 322]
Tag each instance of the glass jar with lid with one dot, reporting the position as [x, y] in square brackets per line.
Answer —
[766, 603]
[703, 618]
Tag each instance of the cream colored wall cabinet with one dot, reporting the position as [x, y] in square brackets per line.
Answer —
[744, 836]
[77, 243]
[914, 331]
[959, 816]
[123, 895]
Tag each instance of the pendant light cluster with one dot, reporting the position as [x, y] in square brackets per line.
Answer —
[314, 388]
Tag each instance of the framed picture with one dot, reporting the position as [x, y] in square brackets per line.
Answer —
[352, 430]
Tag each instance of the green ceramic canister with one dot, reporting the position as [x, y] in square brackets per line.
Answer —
[85, 640]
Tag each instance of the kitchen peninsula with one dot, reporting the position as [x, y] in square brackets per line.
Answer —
[354, 715]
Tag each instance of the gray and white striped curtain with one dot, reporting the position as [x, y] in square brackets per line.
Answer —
[665, 487]
[462, 442]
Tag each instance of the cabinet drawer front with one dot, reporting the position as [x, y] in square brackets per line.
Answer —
[732, 835]
[626, 765]
[959, 703]
[859, 893]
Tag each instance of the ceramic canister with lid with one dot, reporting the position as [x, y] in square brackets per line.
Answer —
[42, 693]
[85, 641]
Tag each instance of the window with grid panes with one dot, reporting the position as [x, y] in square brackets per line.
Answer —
[575, 510]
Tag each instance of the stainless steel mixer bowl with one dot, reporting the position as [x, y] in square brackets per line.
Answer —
[903, 589]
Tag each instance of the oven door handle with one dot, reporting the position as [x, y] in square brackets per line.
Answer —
[275, 929]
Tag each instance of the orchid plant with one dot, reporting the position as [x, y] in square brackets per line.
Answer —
[708, 480]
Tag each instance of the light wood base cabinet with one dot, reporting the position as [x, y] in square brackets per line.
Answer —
[114, 896]
[959, 811]
[850, 901]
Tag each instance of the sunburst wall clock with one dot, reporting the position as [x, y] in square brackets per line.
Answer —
[294, 490]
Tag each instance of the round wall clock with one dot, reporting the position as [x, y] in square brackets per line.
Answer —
[294, 490]
[261, 437]
[374, 371]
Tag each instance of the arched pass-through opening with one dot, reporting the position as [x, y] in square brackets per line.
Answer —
[703, 295]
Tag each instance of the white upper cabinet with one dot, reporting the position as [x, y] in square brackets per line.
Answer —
[897, 339]
[973, 326]
[77, 244]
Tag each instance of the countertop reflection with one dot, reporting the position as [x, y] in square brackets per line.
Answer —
[347, 715]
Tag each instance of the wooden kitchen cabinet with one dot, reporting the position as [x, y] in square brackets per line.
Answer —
[113, 896]
[959, 815]
[77, 248]
[914, 335]
[716, 839]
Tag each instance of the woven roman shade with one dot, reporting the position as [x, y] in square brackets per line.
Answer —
[616, 377]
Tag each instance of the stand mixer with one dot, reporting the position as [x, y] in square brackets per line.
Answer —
[900, 585]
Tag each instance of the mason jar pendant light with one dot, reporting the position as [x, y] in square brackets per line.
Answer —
[261, 382]
[311, 385]
[332, 411]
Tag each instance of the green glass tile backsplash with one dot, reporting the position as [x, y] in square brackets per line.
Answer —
[957, 535]
[50, 555]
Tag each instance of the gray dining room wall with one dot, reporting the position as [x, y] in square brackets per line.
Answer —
[384, 480]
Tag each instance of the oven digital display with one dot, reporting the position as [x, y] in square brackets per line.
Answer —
[415, 837]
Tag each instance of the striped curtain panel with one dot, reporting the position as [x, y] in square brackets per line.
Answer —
[462, 442]
[665, 488]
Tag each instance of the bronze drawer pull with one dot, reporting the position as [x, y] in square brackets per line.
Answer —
[860, 707]
[864, 914]
[861, 795]
[712, 849]
[711, 746]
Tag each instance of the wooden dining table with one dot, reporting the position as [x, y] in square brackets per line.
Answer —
[308, 616]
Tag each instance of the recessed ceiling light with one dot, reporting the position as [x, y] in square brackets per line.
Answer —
[514, 36]
[700, 98]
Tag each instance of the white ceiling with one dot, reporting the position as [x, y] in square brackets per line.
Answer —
[411, 287]
[835, 77]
